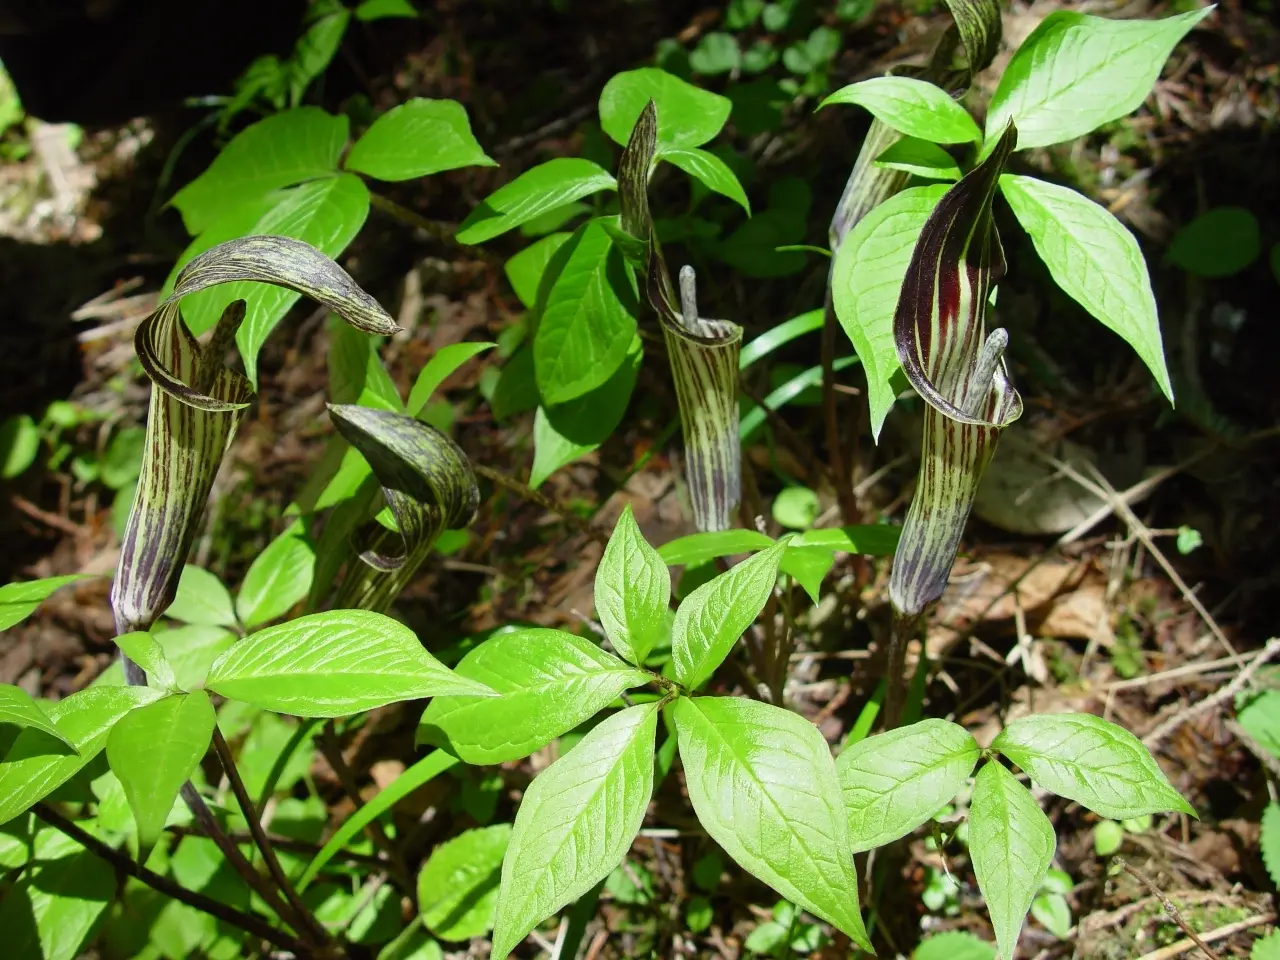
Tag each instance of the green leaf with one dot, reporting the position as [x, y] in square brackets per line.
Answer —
[713, 617]
[413, 943]
[632, 590]
[688, 116]
[1269, 841]
[282, 150]
[567, 431]
[333, 664]
[914, 107]
[868, 539]
[1108, 837]
[356, 371]
[53, 910]
[920, 157]
[764, 787]
[123, 460]
[1095, 259]
[37, 764]
[278, 579]
[866, 278]
[588, 321]
[371, 10]
[417, 138]
[327, 214]
[19, 445]
[429, 767]
[438, 369]
[202, 599]
[1261, 720]
[19, 600]
[17, 708]
[547, 681]
[713, 172]
[699, 548]
[316, 48]
[526, 269]
[784, 332]
[716, 53]
[795, 507]
[1266, 948]
[154, 750]
[534, 192]
[576, 823]
[1053, 913]
[190, 651]
[143, 649]
[1011, 844]
[1076, 72]
[458, 887]
[897, 780]
[1089, 760]
[954, 945]
[1218, 243]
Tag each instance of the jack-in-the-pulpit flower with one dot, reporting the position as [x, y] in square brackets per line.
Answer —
[196, 406]
[703, 353]
[428, 485]
[959, 371]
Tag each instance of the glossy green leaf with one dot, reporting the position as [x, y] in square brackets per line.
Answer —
[284, 149]
[278, 579]
[914, 107]
[688, 116]
[417, 138]
[413, 943]
[356, 371]
[1094, 258]
[154, 750]
[534, 192]
[1218, 243]
[37, 764]
[326, 214]
[1089, 760]
[588, 320]
[370, 10]
[632, 590]
[784, 332]
[1266, 948]
[921, 158]
[576, 823]
[144, 650]
[547, 681]
[764, 787]
[438, 369]
[567, 431]
[1011, 844]
[868, 539]
[788, 392]
[1260, 718]
[526, 269]
[699, 548]
[333, 664]
[53, 909]
[202, 599]
[1076, 72]
[713, 172]
[19, 600]
[795, 507]
[426, 769]
[866, 279]
[317, 47]
[458, 887]
[17, 708]
[190, 651]
[713, 617]
[954, 945]
[19, 445]
[897, 780]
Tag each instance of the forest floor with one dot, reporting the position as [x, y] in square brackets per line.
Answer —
[1071, 592]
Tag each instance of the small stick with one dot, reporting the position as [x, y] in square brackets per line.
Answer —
[1226, 692]
[1182, 946]
[435, 229]
[126, 865]
[1170, 909]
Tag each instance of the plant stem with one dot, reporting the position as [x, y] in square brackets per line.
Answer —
[125, 864]
[840, 476]
[533, 496]
[332, 751]
[310, 924]
[435, 229]
[904, 628]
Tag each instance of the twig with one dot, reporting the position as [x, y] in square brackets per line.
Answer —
[533, 496]
[436, 229]
[1174, 914]
[1182, 946]
[1225, 692]
[70, 527]
[126, 864]
[299, 909]
[1186, 670]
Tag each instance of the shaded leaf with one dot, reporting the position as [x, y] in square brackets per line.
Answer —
[278, 579]
[19, 600]
[534, 192]
[710, 170]
[1218, 243]
[458, 887]
[417, 138]
[202, 599]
